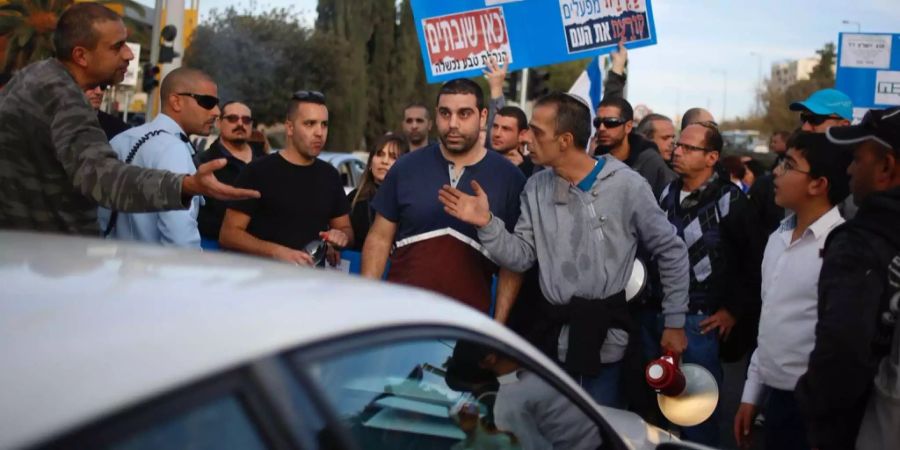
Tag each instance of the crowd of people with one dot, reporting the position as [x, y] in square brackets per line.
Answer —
[796, 266]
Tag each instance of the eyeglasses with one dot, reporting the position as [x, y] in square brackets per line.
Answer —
[205, 101]
[815, 119]
[609, 122]
[234, 118]
[308, 95]
[692, 148]
[787, 165]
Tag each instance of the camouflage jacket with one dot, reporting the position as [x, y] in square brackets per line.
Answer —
[56, 165]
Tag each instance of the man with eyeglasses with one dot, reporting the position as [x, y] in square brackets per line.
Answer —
[189, 106]
[235, 125]
[614, 124]
[303, 197]
[60, 164]
[711, 216]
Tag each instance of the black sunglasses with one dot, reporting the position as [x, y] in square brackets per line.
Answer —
[234, 118]
[205, 101]
[609, 122]
[814, 119]
[308, 95]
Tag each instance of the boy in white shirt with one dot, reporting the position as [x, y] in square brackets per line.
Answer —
[811, 180]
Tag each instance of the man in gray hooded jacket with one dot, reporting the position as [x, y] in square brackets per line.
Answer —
[582, 222]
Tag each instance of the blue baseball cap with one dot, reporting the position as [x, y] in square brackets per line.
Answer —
[825, 103]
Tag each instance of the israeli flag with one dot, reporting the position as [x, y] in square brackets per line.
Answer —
[589, 85]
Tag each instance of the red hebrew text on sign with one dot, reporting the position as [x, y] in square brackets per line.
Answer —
[459, 42]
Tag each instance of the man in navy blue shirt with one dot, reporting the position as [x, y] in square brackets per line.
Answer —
[433, 250]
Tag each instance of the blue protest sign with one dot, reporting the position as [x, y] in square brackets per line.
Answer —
[868, 70]
[458, 37]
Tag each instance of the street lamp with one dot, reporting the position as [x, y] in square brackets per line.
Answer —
[724, 91]
[850, 22]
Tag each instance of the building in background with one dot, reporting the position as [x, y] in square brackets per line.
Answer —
[786, 73]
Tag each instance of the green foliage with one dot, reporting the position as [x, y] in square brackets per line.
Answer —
[26, 28]
[261, 59]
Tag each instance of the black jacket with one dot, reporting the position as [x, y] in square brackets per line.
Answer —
[644, 158]
[719, 210]
[850, 336]
[209, 221]
[112, 125]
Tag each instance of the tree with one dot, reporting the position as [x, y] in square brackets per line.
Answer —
[27, 28]
[823, 73]
[776, 103]
[263, 59]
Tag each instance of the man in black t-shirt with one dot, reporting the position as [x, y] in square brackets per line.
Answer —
[302, 196]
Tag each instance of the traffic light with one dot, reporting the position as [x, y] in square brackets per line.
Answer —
[166, 44]
[511, 85]
[150, 82]
[537, 83]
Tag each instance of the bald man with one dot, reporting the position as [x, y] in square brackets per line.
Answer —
[696, 115]
[190, 105]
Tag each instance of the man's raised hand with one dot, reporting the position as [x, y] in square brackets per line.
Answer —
[495, 74]
[472, 209]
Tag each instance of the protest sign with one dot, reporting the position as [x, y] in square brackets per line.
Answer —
[868, 70]
[457, 38]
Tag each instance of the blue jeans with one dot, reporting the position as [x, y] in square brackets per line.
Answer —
[703, 350]
[605, 387]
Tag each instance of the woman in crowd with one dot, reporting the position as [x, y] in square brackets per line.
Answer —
[381, 157]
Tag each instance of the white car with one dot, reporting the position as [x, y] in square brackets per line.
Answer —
[349, 165]
[114, 345]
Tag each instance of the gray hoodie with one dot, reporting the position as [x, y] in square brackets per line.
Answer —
[586, 241]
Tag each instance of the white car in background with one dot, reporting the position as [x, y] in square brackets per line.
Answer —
[349, 165]
[114, 345]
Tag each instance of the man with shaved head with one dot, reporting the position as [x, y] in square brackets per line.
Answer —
[58, 162]
[190, 105]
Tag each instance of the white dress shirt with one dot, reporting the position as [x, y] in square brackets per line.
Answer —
[787, 324]
[165, 151]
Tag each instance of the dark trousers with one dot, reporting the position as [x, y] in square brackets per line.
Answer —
[784, 423]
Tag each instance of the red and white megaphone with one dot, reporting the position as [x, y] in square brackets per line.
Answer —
[687, 393]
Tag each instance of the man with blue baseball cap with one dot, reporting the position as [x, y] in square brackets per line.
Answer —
[824, 109]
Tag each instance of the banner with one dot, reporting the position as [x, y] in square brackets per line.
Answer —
[458, 37]
[868, 70]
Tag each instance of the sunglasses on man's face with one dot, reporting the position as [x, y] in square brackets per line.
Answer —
[308, 95]
[234, 118]
[815, 119]
[205, 101]
[609, 122]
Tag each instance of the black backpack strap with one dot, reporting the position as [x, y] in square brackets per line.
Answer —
[114, 216]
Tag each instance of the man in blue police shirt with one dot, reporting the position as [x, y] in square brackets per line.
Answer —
[190, 105]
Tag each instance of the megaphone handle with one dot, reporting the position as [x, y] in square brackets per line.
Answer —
[676, 359]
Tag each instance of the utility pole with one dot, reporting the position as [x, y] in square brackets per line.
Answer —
[724, 92]
[154, 54]
[759, 82]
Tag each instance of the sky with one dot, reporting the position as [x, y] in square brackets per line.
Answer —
[698, 40]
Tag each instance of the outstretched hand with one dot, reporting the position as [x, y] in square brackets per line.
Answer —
[472, 209]
[204, 182]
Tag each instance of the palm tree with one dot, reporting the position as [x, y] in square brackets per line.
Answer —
[26, 29]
